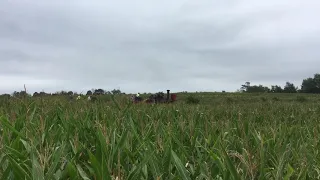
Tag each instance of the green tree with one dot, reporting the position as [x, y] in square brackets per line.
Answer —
[276, 89]
[70, 93]
[311, 85]
[19, 94]
[63, 93]
[245, 87]
[290, 88]
[89, 93]
[99, 92]
[116, 91]
[259, 88]
[254, 89]
[42, 93]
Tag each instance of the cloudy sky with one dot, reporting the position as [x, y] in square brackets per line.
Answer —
[153, 45]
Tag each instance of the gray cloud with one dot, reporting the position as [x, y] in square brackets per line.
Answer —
[151, 46]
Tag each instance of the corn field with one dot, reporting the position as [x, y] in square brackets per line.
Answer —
[228, 137]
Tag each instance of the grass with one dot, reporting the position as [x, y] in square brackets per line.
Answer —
[225, 136]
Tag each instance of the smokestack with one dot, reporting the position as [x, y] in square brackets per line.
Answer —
[168, 93]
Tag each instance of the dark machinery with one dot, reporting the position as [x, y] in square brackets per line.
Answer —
[157, 98]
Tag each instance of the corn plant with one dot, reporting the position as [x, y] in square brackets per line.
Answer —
[55, 138]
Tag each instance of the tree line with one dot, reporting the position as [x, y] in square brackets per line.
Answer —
[309, 85]
[64, 93]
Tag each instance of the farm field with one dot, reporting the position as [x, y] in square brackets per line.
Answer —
[224, 136]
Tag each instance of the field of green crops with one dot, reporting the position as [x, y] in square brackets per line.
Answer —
[224, 136]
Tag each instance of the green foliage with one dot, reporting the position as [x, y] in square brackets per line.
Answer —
[229, 100]
[276, 89]
[89, 93]
[54, 138]
[116, 91]
[192, 100]
[289, 88]
[301, 99]
[254, 89]
[276, 99]
[264, 99]
[311, 85]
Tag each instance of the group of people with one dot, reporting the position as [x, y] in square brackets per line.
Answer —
[136, 98]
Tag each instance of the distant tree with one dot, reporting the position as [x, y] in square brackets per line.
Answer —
[311, 85]
[245, 87]
[6, 96]
[116, 91]
[290, 88]
[266, 89]
[15, 93]
[70, 93]
[23, 93]
[254, 89]
[260, 88]
[316, 80]
[42, 93]
[20, 94]
[89, 93]
[98, 92]
[64, 93]
[276, 89]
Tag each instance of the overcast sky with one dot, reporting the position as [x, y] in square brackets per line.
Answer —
[153, 45]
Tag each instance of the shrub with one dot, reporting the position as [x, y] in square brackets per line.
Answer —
[192, 100]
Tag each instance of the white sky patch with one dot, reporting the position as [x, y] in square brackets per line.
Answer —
[17, 83]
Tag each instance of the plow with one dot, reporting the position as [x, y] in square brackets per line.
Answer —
[156, 98]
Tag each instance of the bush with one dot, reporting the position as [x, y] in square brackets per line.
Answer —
[192, 100]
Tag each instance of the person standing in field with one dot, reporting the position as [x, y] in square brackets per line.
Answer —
[137, 98]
